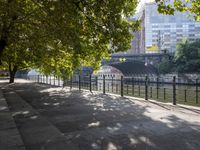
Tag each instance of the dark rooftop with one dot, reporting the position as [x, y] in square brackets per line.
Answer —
[135, 68]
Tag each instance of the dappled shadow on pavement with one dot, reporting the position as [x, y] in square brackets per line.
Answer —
[97, 121]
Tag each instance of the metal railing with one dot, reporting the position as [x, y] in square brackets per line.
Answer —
[160, 89]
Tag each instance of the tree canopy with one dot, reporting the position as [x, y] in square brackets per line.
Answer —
[59, 36]
[187, 57]
[185, 60]
[191, 6]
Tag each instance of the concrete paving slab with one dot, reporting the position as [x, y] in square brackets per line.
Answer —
[37, 133]
[9, 134]
[92, 121]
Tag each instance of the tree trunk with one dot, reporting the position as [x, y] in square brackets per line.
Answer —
[12, 72]
[2, 47]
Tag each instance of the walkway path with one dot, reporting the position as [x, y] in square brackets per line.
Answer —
[54, 118]
[10, 138]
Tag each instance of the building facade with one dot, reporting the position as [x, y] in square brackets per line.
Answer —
[164, 32]
[161, 32]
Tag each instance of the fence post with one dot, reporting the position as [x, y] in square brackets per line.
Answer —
[174, 90]
[38, 78]
[50, 79]
[146, 88]
[96, 83]
[46, 79]
[58, 81]
[79, 82]
[197, 91]
[104, 90]
[122, 86]
[139, 89]
[112, 84]
[127, 89]
[71, 82]
[157, 87]
[185, 95]
[133, 90]
[54, 80]
[90, 83]
[164, 93]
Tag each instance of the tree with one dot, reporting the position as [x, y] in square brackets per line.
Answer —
[59, 36]
[187, 57]
[16, 57]
[166, 66]
[191, 6]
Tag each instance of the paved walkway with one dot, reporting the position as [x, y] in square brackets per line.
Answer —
[10, 138]
[55, 118]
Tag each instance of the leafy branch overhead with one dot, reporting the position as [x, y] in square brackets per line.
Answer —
[62, 35]
[191, 6]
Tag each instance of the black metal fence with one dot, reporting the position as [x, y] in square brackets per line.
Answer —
[161, 89]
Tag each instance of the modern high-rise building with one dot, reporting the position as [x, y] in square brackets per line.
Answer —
[161, 32]
[164, 32]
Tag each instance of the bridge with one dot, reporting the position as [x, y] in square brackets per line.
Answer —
[151, 58]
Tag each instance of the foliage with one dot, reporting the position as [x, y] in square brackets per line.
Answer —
[59, 36]
[191, 6]
[166, 66]
[187, 57]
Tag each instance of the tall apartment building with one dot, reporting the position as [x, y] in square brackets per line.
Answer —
[166, 31]
[162, 32]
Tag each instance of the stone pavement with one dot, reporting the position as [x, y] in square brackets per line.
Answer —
[36, 132]
[10, 138]
[54, 118]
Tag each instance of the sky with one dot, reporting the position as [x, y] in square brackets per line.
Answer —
[142, 3]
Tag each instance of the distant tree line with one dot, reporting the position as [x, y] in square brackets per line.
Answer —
[185, 60]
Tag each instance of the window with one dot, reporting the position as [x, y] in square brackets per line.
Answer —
[179, 30]
[191, 35]
[179, 26]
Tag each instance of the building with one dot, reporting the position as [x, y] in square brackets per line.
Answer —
[164, 32]
[161, 32]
